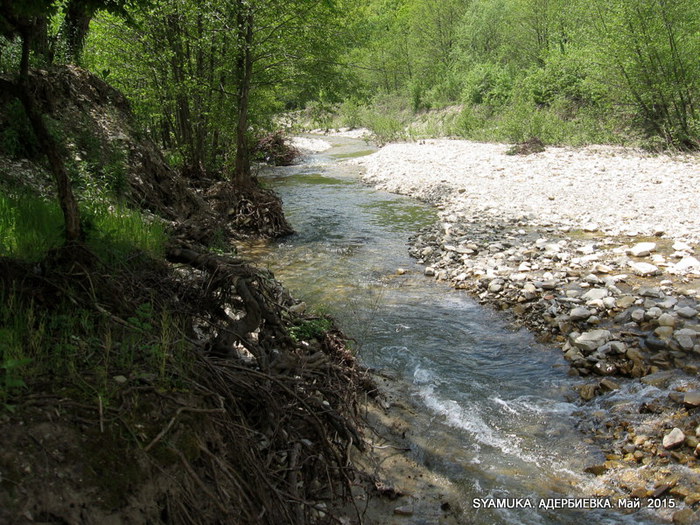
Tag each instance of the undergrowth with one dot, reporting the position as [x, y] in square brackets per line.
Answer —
[31, 226]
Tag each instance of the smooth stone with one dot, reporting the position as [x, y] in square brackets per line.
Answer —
[637, 315]
[580, 313]
[687, 264]
[644, 269]
[687, 312]
[626, 301]
[653, 313]
[659, 379]
[651, 292]
[667, 320]
[656, 343]
[429, 271]
[601, 268]
[595, 294]
[664, 332]
[681, 246]
[643, 249]
[685, 342]
[692, 399]
[667, 303]
[406, 510]
[592, 340]
[608, 385]
[673, 439]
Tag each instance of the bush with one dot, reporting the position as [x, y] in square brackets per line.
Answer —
[487, 83]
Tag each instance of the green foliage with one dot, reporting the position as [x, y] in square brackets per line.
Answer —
[488, 83]
[651, 51]
[17, 139]
[64, 341]
[30, 226]
[310, 329]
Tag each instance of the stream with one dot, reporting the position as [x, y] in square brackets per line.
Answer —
[496, 416]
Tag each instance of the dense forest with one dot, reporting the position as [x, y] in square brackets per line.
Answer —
[132, 334]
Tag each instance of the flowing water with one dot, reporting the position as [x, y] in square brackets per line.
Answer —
[494, 413]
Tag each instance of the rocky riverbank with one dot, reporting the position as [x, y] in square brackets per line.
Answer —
[595, 251]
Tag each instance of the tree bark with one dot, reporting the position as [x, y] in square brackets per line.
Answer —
[241, 174]
[21, 90]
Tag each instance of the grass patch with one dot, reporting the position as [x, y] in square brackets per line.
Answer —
[84, 348]
[31, 226]
[310, 329]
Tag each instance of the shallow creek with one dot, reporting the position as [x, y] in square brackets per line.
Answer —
[494, 412]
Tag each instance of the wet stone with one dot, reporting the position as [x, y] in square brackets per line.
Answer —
[692, 399]
[655, 343]
[673, 439]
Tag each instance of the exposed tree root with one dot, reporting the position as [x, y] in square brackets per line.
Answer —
[250, 209]
[258, 430]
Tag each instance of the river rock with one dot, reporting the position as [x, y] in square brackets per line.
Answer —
[687, 264]
[589, 341]
[651, 292]
[659, 379]
[667, 320]
[587, 391]
[429, 271]
[608, 385]
[595, 294]
[643, 249]
[692, 399]
[664, 332]
[603, 368]
[580, 314]
[637, 315]
[626, 301]
[644, 269]
[685, 342]
[673, 439]
[653, 313]
[686, 517]
[687, 312]
[405, 510]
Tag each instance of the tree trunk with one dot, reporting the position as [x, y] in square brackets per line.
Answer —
[66, 199]
[241, 174]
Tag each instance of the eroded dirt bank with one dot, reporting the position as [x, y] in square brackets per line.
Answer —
[595, 250]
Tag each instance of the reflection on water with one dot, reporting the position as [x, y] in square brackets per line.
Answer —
[495, 418]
